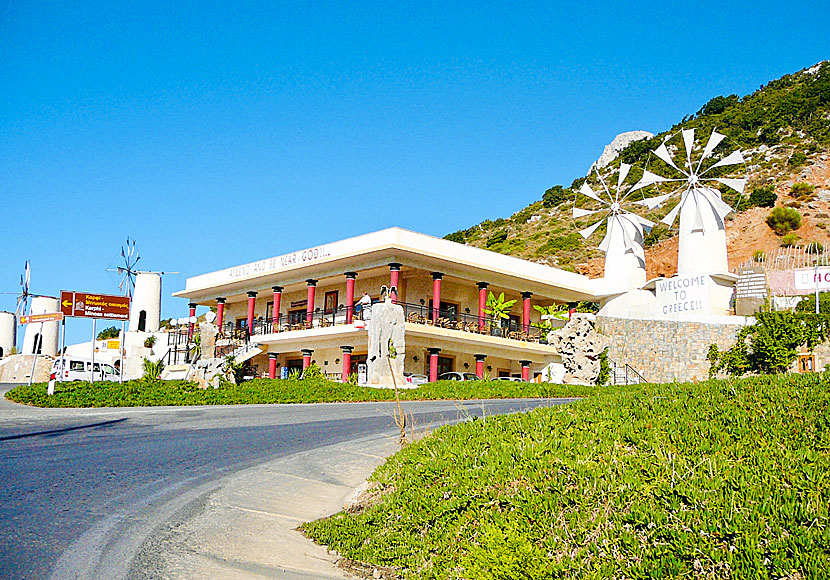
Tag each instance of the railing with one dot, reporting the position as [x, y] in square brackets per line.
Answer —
[414, 313]
[625, 374]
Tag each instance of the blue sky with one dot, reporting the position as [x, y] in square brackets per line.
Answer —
[220, 133]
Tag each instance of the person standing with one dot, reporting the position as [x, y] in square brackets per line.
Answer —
[364, 301]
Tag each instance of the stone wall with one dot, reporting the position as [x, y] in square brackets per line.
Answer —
[665, 350]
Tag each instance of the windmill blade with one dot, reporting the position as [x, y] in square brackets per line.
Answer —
[672, 215]
[697, 222]
[714, 140]
[624, 169]
[588, 192]
[736, 184]
[688, 143]
[634, 218]
[721, 208]
[733, 158]
[586, 233]
[663, 153]
[27, 269]
[647, 179]
[579, 212]
[652, 202]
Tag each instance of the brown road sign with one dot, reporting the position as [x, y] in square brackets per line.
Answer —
[46, 317]
[88, 305]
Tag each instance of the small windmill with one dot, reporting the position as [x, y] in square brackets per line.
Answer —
[24, 296]
[702, 211]
[129, 254]
[625, 232]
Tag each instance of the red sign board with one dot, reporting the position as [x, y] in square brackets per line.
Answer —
[88, 305]
[46, 317]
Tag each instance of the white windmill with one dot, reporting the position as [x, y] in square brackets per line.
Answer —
[702, 237]
[625, 232]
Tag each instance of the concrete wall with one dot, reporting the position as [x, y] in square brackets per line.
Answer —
[667, 350]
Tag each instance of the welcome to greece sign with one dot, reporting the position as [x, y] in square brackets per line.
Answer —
[683, 295]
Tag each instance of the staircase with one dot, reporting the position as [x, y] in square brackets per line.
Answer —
[245, 352]
[624, 374]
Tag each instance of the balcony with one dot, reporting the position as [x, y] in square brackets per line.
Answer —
[413, 313]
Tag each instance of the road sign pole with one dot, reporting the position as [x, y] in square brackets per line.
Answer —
[93, 351]
[121, 355]
[38, 340]
[63, 347]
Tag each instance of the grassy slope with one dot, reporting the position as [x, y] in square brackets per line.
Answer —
[264, 391]
[715, 480]
[788, 115]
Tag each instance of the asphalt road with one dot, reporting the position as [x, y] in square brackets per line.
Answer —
[81, 489]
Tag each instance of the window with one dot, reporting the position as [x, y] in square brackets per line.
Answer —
[447, 310]
[142, 320]
[357, 359]
[241, 323]
[445, 365]
[330, 303]
[269, 310]
[296, 317]
[806, 363]
[76, 365]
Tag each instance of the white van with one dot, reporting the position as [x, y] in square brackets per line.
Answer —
[80, 369]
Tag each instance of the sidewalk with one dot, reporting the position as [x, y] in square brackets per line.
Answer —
[247, 529]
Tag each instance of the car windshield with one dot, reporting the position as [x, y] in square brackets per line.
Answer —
[471, 377]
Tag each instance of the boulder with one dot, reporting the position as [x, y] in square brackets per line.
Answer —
[386, 344]
[580, 345]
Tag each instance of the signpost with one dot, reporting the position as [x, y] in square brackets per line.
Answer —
[41, 318]
[95, 306]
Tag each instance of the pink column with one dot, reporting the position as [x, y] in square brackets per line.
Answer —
[436, 294]
[526, 310]
[192, 306]
[480, 365]
[275, 314]
[350, 276]
[433, 364]
[571, 312]
[347, 362]
[220, 313]
[307, 357]
[394, 280]
[482, 304]
[272, 365]
[309, 309]
[251, 305]
[525, 369]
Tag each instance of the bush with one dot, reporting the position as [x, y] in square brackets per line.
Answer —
[797, 159]
[152, 370]
[802, 188]
[808, 304]
[109, 332]
[554, 196]
[790, 240]
[457, 237]
[763, 196]
[496, 238]
[815, 248]
[759, 256]
[784, 220]
[656, 234]
[560, 243]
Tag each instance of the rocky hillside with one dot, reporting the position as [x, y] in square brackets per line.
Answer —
[783, 129]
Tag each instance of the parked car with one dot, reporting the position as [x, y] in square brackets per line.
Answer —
[80, 369]
[514, 379]
[413, 379]
[455, 376]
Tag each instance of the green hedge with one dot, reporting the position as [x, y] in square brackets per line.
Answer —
[263, 391]
[723, 479]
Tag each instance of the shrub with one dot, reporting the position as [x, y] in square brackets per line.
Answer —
[457, 237]
[797, 159]
[561, 243]
[312, 373]
[150, 341]
[815, 248]
[783, 220]
[554, 196]
[790, 240]
[656, 234]
[763, 196]
[496, 238]
[759, 256]
[803, 188]
[109, 332]
[808, 304]
[152, 370]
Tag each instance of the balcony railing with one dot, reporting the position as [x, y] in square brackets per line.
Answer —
[413, 313]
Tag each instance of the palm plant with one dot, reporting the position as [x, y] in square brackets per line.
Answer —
[498, 308]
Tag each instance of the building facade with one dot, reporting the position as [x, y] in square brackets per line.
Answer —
[303, 307]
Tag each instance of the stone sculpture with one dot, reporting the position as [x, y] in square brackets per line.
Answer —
[580, 345]
[386, 342]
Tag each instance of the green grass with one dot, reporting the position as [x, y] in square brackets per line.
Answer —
[723, 479]
[264, 391]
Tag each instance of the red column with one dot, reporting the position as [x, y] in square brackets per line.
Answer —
[571, 312]
[480, 365]
[192, 306]
[394, 280]
[482, 304]
[275, 314]
[220, 313]
[251, 305]
[350, 276]
[433, 364]
[526, 310]
[436, 294]
[309, 309]
[307, 357]
[525, 369]
[272, 365]
[347, 362]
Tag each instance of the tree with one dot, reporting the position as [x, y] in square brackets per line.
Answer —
[109, 332]
[554, 196]
[783, 220]
[763, 196]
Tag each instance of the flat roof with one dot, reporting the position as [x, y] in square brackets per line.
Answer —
[394, 245]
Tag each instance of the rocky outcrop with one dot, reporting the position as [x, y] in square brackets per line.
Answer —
[386, 344]
[579, 344]
[619, 143]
